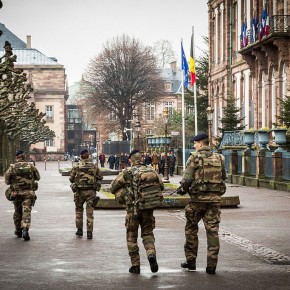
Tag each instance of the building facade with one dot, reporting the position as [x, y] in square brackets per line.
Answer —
[49, 82]
[249, 58]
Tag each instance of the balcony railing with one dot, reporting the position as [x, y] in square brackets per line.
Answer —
[277, 24]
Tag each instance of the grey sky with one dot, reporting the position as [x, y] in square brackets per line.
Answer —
[74, 31]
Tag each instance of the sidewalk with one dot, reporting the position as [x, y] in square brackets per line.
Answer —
[255, 252]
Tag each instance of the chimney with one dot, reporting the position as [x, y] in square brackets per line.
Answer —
[28, 41]
[173, 66]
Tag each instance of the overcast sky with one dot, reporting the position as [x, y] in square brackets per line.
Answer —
[74, 31]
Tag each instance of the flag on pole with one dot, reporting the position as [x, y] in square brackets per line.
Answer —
[184, 66]
[192, 64]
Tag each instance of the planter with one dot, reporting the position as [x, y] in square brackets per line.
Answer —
[249, 139]
[280, 138]
[263, 138]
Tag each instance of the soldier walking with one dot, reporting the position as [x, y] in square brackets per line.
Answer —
[85, 178]
[139, 207]
[22, 177]
[203, 179]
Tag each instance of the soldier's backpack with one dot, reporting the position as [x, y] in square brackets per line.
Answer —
[208, 174]
[86, 176]
[146, 187]
[24, 177]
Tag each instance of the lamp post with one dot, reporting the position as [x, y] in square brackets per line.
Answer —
[165, 118]
[209, 112]
[137, 129]
[109, 142]
[97, 152]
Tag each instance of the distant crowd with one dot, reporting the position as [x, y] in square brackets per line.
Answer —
[121, 161]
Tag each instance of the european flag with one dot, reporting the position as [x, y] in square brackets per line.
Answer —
[184, 66]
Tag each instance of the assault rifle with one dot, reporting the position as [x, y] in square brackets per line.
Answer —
[179, 190]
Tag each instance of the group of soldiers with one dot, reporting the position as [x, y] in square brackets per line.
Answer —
[139, 188]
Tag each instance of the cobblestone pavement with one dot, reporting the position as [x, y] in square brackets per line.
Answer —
[254, 245]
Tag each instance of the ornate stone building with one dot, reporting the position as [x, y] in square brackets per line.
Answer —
[48, 80]
[249, 58]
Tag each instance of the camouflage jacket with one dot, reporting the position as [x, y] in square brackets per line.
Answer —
[22, 183]
[191, 174]
[86, 175]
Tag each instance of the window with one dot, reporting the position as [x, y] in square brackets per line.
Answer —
[49, 142]
[113, 116]
[168, 87]
[150, 111]
[49, 112]
[169, 106]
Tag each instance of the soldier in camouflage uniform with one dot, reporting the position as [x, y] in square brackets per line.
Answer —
[205, 201]
[85, 178]
[21, 177]
[121, 187]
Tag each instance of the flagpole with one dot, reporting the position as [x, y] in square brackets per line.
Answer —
[183, 120]
[194, 86]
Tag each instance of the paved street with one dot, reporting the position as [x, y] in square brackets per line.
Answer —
[255, 239]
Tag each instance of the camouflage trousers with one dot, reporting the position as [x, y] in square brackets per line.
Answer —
[210, 214]
[146, 220]
[22, 209]
[81, 197]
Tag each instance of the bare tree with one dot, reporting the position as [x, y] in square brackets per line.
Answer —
[123, 76]
[164, 52]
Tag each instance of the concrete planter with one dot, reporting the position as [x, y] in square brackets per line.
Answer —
[280, 138]
[263, 138]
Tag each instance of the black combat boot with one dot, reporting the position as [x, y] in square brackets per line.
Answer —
[190, 265]
[134, 269]
[153, 263]
[25, 235]
[79, 232]
[210, 270]
[89, 235]
[18, 233]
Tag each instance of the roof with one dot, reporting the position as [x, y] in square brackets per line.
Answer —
[31, 57]
[25, 56]
[7, 35]
[173, 76]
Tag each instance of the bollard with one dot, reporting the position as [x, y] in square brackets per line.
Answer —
[58, 164]
[45, 164]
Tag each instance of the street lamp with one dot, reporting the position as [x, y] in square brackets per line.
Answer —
[209, 112]
[97, 152]
[137, 129]
[109, 142]
[165, 118]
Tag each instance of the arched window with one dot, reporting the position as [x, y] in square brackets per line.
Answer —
[284, 82]
[263, 101]
[273, 99]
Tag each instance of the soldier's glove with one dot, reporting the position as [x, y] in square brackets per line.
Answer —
[180, 190]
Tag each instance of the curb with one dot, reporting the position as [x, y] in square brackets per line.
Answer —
[168, 202]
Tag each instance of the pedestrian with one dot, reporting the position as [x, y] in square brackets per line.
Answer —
[203, 179]
[122, 161]
[155, 161]
[139, 206]
[161, 164]
[111, 161]
[85, 178]
[22, 177]
[117, 162]
[147, 159]
[172, 160]
[32, 161]
[102, 159]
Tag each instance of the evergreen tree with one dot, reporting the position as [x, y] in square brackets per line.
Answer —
[284, 117]
[231, 120]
